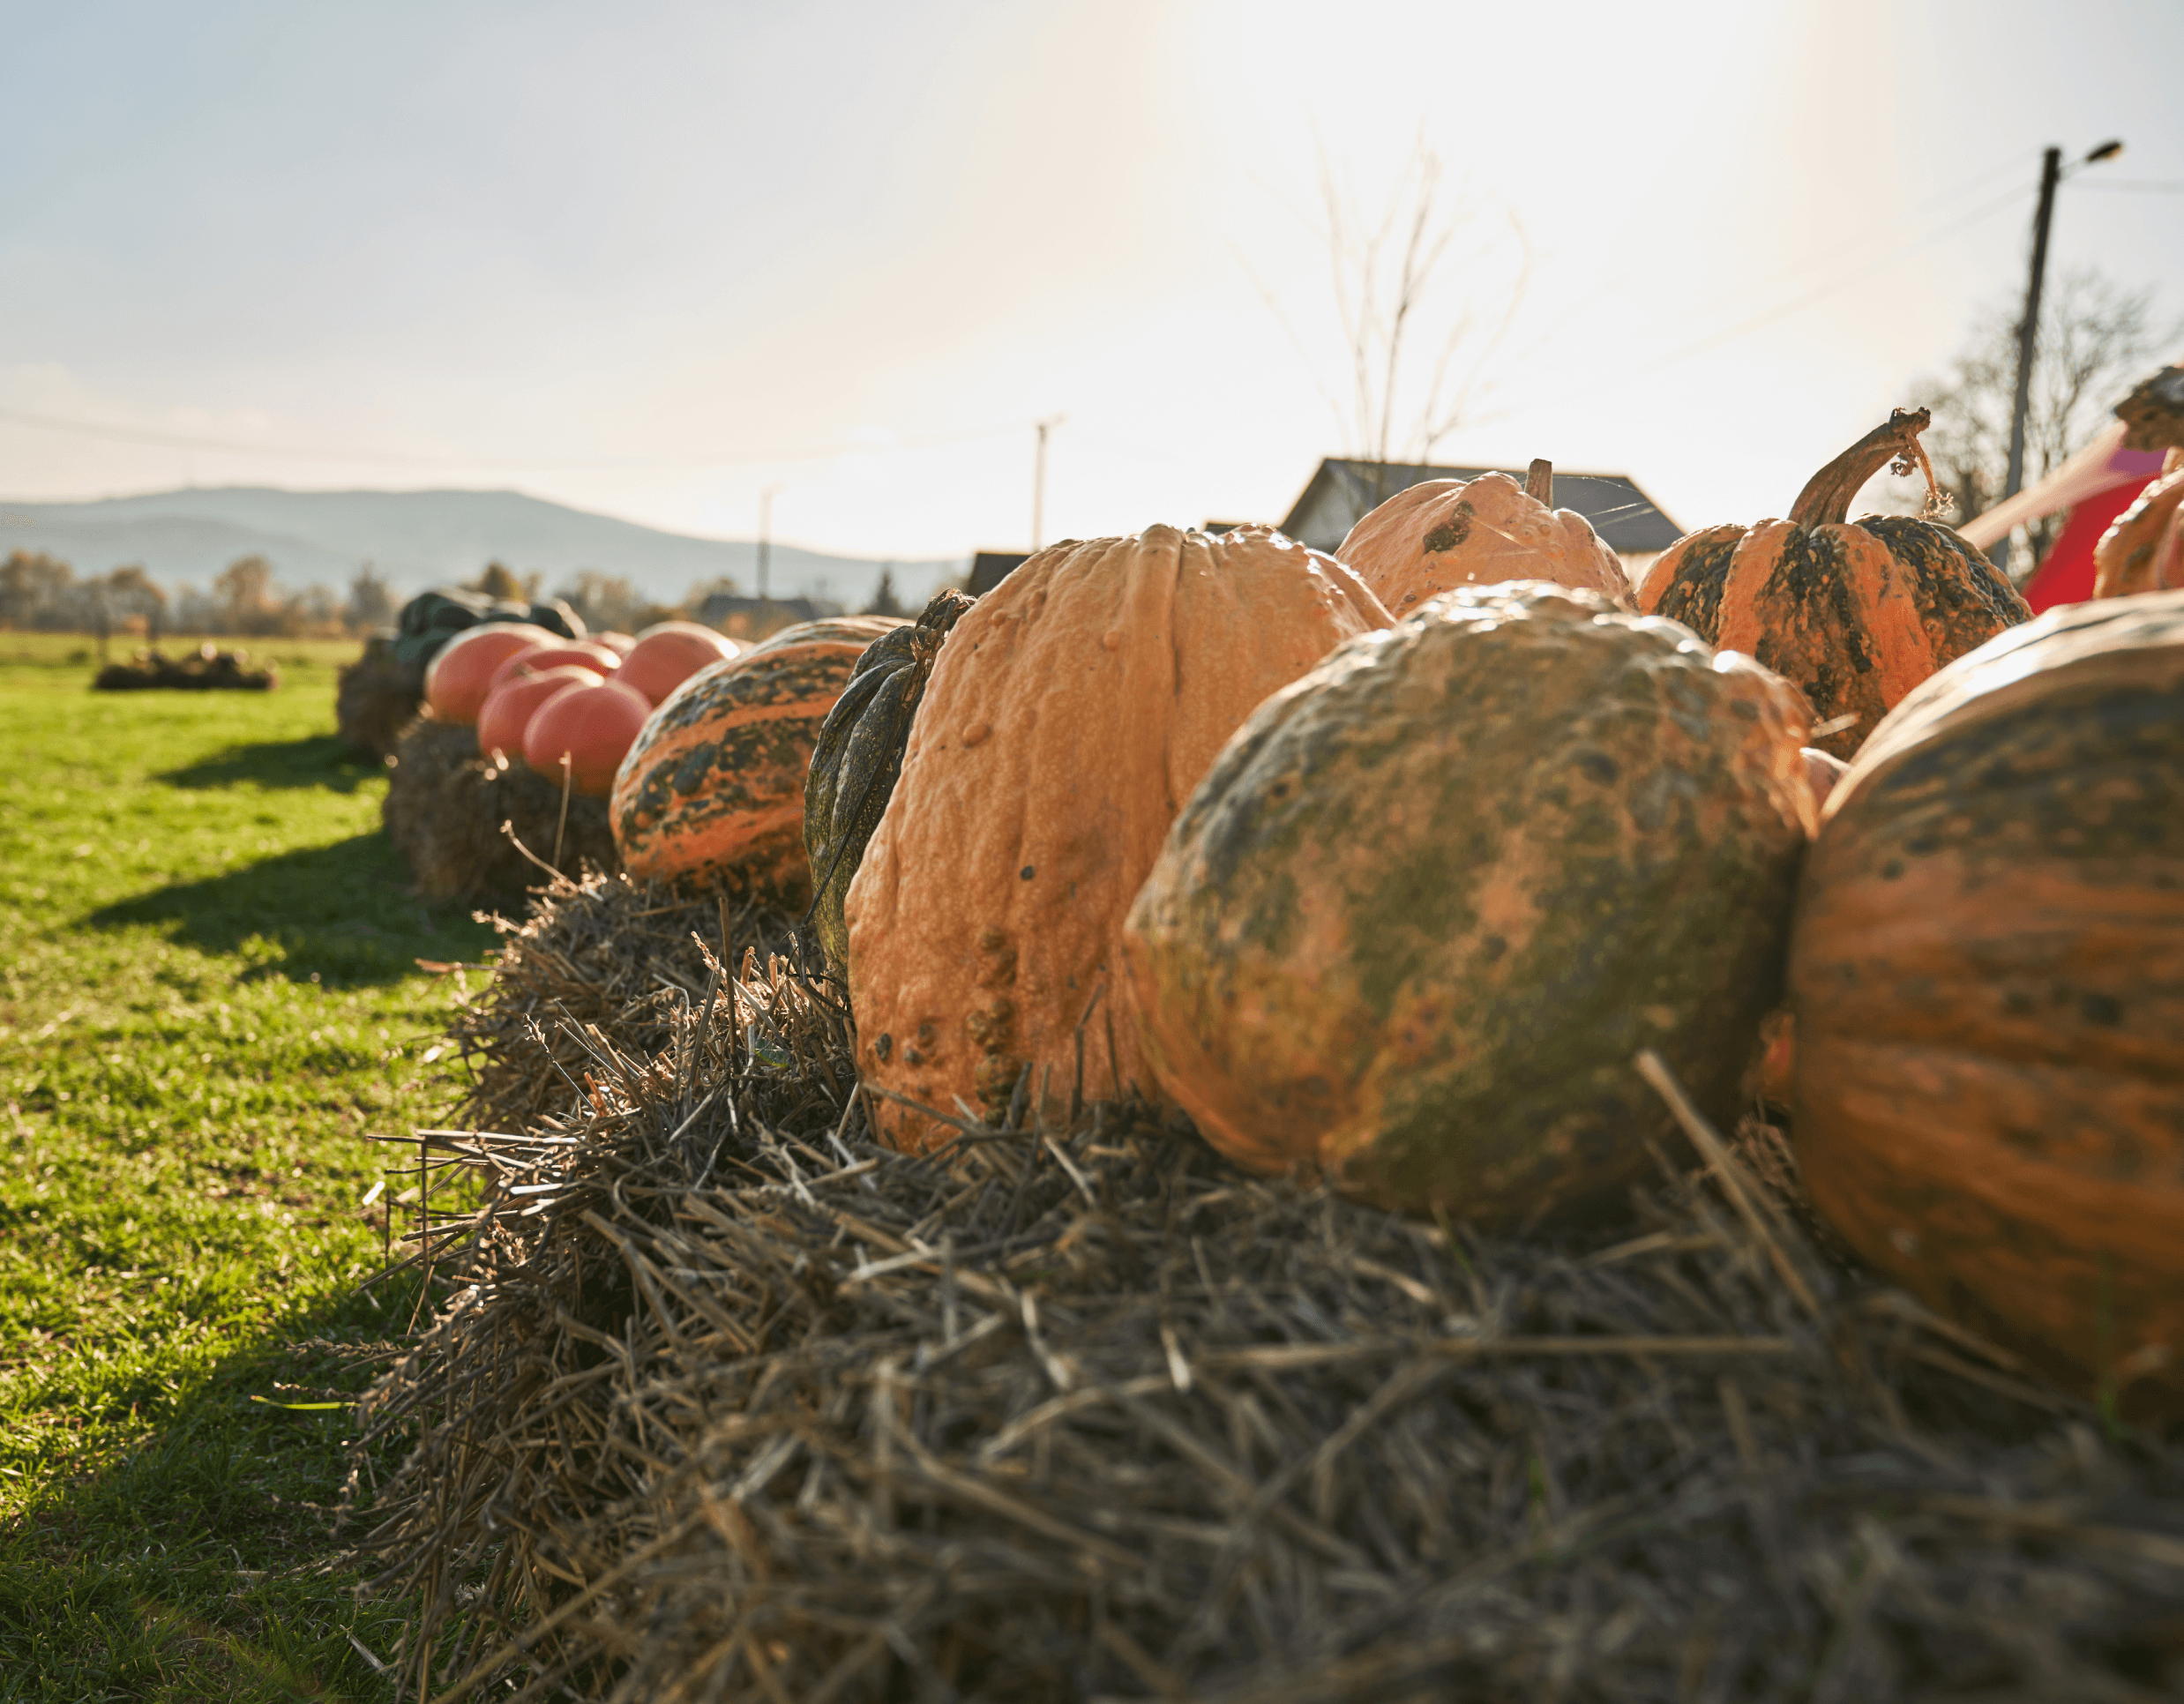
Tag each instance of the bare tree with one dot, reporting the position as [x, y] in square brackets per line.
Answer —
[2095, 339]
[1428, 288]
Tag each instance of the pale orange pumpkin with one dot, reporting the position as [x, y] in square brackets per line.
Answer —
[2143, 551]
[1441, 534]
[1069, 717]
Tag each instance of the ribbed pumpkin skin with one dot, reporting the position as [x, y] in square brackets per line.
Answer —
[858, 757]
[2143, 551]
[1070, 715]
[1441, 534]
[1854, 613]
[1987, 975]
[712, 791]
[1431, 899]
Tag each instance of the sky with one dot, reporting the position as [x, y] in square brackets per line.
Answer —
[660, 261]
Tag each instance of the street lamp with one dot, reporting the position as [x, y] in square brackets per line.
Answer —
[2029, 327]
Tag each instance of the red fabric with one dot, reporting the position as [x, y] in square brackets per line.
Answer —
[2066, 574]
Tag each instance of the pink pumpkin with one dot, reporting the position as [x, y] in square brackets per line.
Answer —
[457, 680]
[592, 727]
[670, 654]
[584, 654]
[507, 712]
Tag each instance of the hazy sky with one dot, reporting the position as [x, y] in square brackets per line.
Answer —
[654, 260]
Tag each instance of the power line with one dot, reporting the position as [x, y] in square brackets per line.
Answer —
[288, 452]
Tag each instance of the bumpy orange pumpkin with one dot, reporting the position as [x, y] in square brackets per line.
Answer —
[713, 790]
[1987, 974]
[1855, 614]
[1069, 717]
[1411, 929]
[1441, 534]
[2144, 551]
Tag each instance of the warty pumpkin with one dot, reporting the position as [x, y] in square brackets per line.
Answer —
[1987, 976]
[2143, 551]
[1855, 614]
[713, 790]
[1441, 534]
[858, 757]
[1071, 713]
[1411, 929]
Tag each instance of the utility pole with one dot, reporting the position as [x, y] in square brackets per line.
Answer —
[1039, 478]
[2029, 327]
[765, 530]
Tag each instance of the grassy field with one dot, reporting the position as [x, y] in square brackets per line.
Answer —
[209, 1002]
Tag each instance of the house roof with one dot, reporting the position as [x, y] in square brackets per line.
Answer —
[1344, 488]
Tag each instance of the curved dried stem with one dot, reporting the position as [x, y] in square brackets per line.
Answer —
[1539, 482]
[1827, 496]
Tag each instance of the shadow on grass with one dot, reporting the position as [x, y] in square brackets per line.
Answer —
[196, 1565]
[322, 760]
[340, 913]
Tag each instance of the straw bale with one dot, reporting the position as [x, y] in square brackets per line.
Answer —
[206, 670]
[376, 697]
[726, 1401]
[603, 956]
[444, 810]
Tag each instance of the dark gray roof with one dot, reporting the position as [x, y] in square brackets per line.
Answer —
[1344, 489]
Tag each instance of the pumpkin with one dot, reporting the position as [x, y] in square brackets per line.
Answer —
[669, 654]
[2144, 550]
[712, 792]
[1855, 614]
[1411, 929]
[1071, 713]
[1988, 975]
[581, 654]
[859, 756]
[589, 729]
[507, 710]
[1440, 533]
[461, 674]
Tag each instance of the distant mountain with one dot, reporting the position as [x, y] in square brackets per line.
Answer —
[417, 539]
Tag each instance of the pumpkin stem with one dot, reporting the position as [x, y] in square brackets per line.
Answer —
[1539, 483]
[1827, 496]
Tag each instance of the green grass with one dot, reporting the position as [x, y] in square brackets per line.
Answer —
[209, 999]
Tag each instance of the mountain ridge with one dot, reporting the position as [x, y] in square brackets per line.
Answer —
[417, 539]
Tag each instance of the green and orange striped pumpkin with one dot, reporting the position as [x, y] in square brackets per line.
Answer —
[1854, 613]
[712, 794]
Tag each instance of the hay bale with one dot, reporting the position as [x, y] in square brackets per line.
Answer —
[446, 805]
[206, 670]
[603, 959]
[726, 1401]
[376, 697]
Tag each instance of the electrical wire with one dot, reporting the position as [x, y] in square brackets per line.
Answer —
[380, 458]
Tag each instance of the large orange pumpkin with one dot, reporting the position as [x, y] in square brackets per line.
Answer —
[1987, 975]
[713, 790]
[1433, 899]
[1855, 614]
[1069, 715]
[1441, 534]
